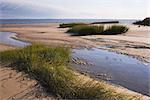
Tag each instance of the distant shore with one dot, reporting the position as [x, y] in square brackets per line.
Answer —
[46, 21]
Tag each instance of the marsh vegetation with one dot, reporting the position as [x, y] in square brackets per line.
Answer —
[115, 29]
[86, 30]
[81, 30]
[49, 65]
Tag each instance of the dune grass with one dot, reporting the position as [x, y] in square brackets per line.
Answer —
[68, 25]
[49, 65]
[86, 30]
[82, 30]
[115, 29]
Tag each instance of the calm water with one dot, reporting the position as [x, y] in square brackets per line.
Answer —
[35, 21]
[119, 69]
[122, 70]
[6, 37]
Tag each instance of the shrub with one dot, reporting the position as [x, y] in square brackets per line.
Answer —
[86, 30]
[68, 25]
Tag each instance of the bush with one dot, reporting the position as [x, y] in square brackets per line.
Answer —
[68, 25]
[82, 30]
[86, 30]
[115, 29]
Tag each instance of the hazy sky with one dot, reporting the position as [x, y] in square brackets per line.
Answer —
[131, 9]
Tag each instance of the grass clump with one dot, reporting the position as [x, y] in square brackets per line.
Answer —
[82, 30]
[68, 25]
[86, 30]
[49, 65]
[115, 29]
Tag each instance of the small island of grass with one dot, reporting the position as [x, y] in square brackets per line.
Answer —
[82, 30]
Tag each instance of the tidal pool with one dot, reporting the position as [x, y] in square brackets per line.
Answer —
[117, 68]
[8, 38]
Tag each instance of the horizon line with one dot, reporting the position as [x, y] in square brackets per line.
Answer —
[76, 18]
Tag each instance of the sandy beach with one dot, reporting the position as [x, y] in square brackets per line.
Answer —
[134, 43]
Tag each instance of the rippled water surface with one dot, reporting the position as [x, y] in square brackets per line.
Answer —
[120, 69]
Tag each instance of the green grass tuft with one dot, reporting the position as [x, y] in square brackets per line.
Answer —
[115, 29]
[49, 65]
[82, 30]
[86, 30]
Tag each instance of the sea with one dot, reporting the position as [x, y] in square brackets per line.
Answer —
[42, 21]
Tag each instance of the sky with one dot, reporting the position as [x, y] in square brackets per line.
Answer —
[75, 9]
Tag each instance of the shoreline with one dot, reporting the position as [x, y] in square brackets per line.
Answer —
[109, 49]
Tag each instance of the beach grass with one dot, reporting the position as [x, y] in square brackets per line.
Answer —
[86, 30]
[49, 65]
[68, 25]
[81, 30]
[115, 29]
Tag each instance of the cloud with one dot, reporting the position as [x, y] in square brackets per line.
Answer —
[28, 9]
[39, 9]
[74, 9]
